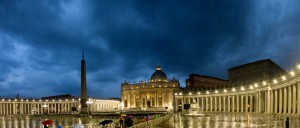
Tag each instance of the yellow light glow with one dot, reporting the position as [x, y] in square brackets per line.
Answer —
[298, 66]
[207, 92]
[225, 90]
[216, 91]
[233, 89]
[283, 78]
[292, 73]
[190, 93]
[275, 81]
[255, 85]
[264, 83]
[242, 88]
[198, 92]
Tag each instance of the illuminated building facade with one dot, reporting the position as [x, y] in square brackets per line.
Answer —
[158, 93]
[41, 106]
[280, 95]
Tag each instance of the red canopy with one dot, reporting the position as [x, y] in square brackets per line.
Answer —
[47, 122]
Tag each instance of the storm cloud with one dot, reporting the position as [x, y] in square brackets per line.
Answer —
[41, 41]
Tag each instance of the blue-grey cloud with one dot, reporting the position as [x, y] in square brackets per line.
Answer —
[41, 41]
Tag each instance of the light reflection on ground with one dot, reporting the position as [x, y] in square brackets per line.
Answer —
[67, 120]
[229, 120]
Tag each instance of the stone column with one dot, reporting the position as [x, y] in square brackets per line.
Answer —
[216, 104]
[233, 103]
[202, 104]
[285, 100]
[242, 103]
[237, 102]
[206, 103]
[298, 98]
[211, 103]
[198, 101]
[251, 103]
[141, 100]
[269, 102]
[134, 102]
[258, 102]
[129, 100]
[151, 97]
[272, 101]
[280, 100]
[289, 99]
[5, 108]
[228, 102]
[220, 103]
[276, 102]
[224, 103]
[294, 99]
[162, 99]
[48, 108]
[247, 103]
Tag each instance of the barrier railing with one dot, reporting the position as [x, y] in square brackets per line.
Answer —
[152, 123]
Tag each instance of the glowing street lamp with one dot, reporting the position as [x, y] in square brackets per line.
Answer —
[283, 78]
[275, 81]
[292, 73]
[264, 83]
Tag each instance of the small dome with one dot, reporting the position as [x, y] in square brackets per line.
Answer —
[159, 76]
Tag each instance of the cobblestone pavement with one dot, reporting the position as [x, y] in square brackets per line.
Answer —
[229, 120]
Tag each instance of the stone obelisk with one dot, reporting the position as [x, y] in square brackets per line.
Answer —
[83, 98]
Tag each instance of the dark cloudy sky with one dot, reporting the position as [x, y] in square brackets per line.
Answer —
[41, 41]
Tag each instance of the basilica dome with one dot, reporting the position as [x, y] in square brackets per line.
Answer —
[159, 76]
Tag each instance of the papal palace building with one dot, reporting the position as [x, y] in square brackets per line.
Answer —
[156, 94]
[260, 87]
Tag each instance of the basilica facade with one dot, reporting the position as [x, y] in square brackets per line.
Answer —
[154, 94]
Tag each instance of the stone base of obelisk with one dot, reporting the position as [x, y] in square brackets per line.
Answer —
[84, 110]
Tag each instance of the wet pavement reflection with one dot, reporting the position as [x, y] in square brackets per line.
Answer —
[229, 120]
[36, 121]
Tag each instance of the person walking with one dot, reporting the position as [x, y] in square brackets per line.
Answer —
[121, 121]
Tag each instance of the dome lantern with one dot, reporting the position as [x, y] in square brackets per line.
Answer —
[158, 76]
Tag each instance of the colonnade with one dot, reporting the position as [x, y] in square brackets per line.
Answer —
[272, 98]
[20, 106]
[104, 106]
[8, 107]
